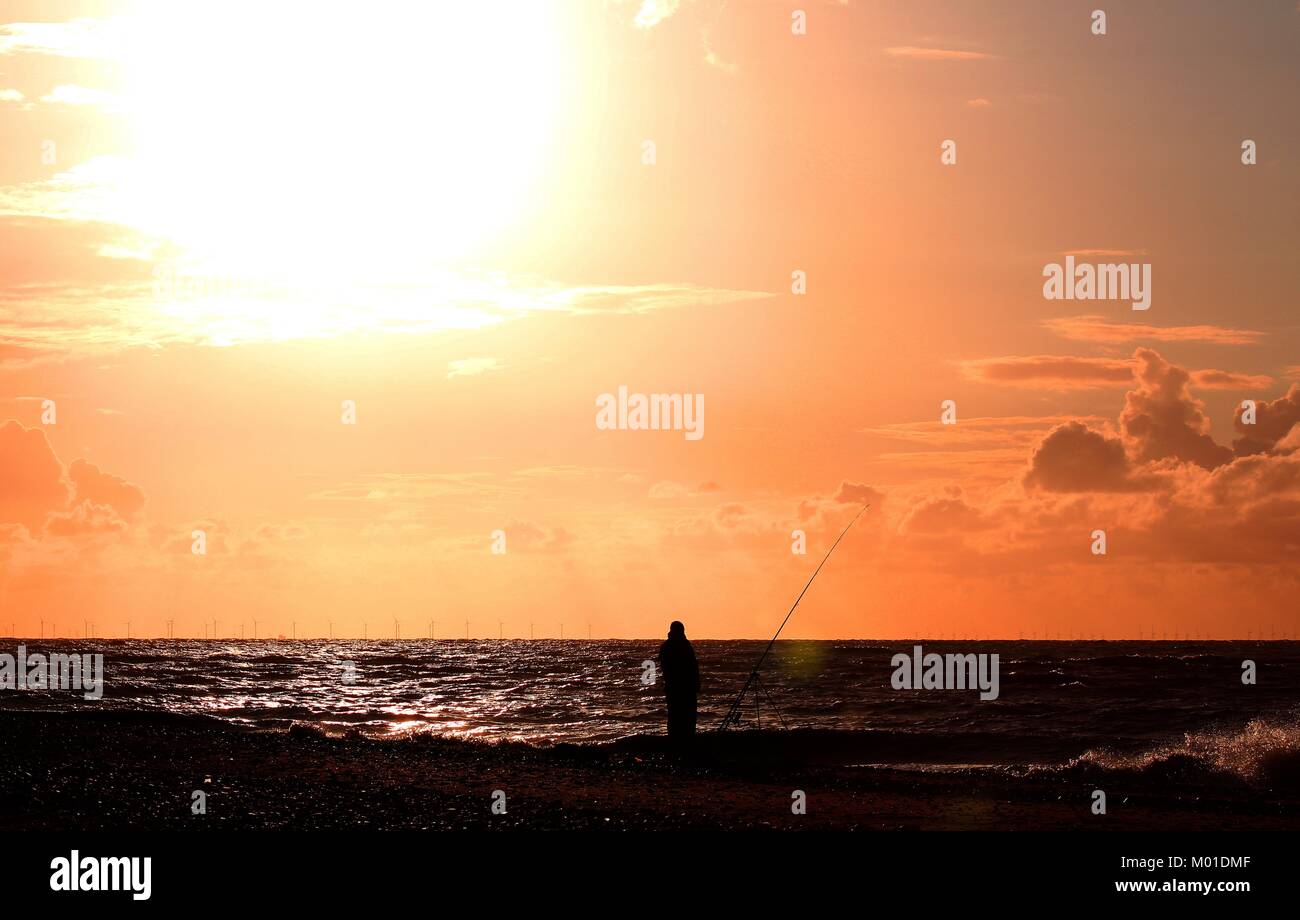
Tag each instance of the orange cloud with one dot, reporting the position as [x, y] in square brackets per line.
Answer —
[1230, 380]
[36, 493]
[936, 54]
[1161, 418]
[1074, 458]
[91, 485]
[529, 537]
[31, 478]
[1099, 329]
[84, 519]
[1057, 372]
[1275, 420]
[944, 515]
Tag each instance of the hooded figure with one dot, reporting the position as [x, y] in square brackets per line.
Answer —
[681, 682]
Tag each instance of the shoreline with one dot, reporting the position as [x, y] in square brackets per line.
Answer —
[138, 770]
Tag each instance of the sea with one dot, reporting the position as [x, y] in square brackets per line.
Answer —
[1117, 703]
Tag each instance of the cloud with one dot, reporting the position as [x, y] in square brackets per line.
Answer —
[711, 58]
[1103, 253]
[529, 537]
[86, 519]
[980, 103]
[943, 515]
[1289, 444]
[730, 515]
[666, 490]
[414, 489]
[1057, 372]
[583, 299]
[77, 38]
[1230, 380]
[858, 493]
[92, 485]
[653, 12]
[1099, 329]
[279, 533]
[10, 95]
[105, 316]
[32, 484]
[979, 433]
[1065, 372]
[936, 54]
[1074, 458]
[1156, 482]
[180, 540]
[469, 367]
[71, 94]
[1275, 420]
[36, 493]
[1162, 420]
[93, 190]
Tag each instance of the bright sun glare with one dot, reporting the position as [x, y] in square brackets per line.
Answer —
[288, 138]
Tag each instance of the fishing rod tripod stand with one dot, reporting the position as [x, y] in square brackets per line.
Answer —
[758, 712]
[735, 713]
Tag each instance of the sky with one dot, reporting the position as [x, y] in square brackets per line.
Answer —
[340, 287]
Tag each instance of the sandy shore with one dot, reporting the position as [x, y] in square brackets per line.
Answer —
[107, 771]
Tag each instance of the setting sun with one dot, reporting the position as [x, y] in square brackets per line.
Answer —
[364, 148]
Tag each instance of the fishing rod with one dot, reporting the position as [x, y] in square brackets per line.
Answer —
[733, 714]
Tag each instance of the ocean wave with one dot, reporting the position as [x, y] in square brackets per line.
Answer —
[1262, 753]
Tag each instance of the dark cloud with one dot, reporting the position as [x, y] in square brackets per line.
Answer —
[1161, 419]
[859, 493]
[1274, 419]
[1074, 458]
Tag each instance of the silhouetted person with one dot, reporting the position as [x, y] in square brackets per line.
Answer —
[681, 682]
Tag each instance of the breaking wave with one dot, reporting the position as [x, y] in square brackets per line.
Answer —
[1265, 752]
